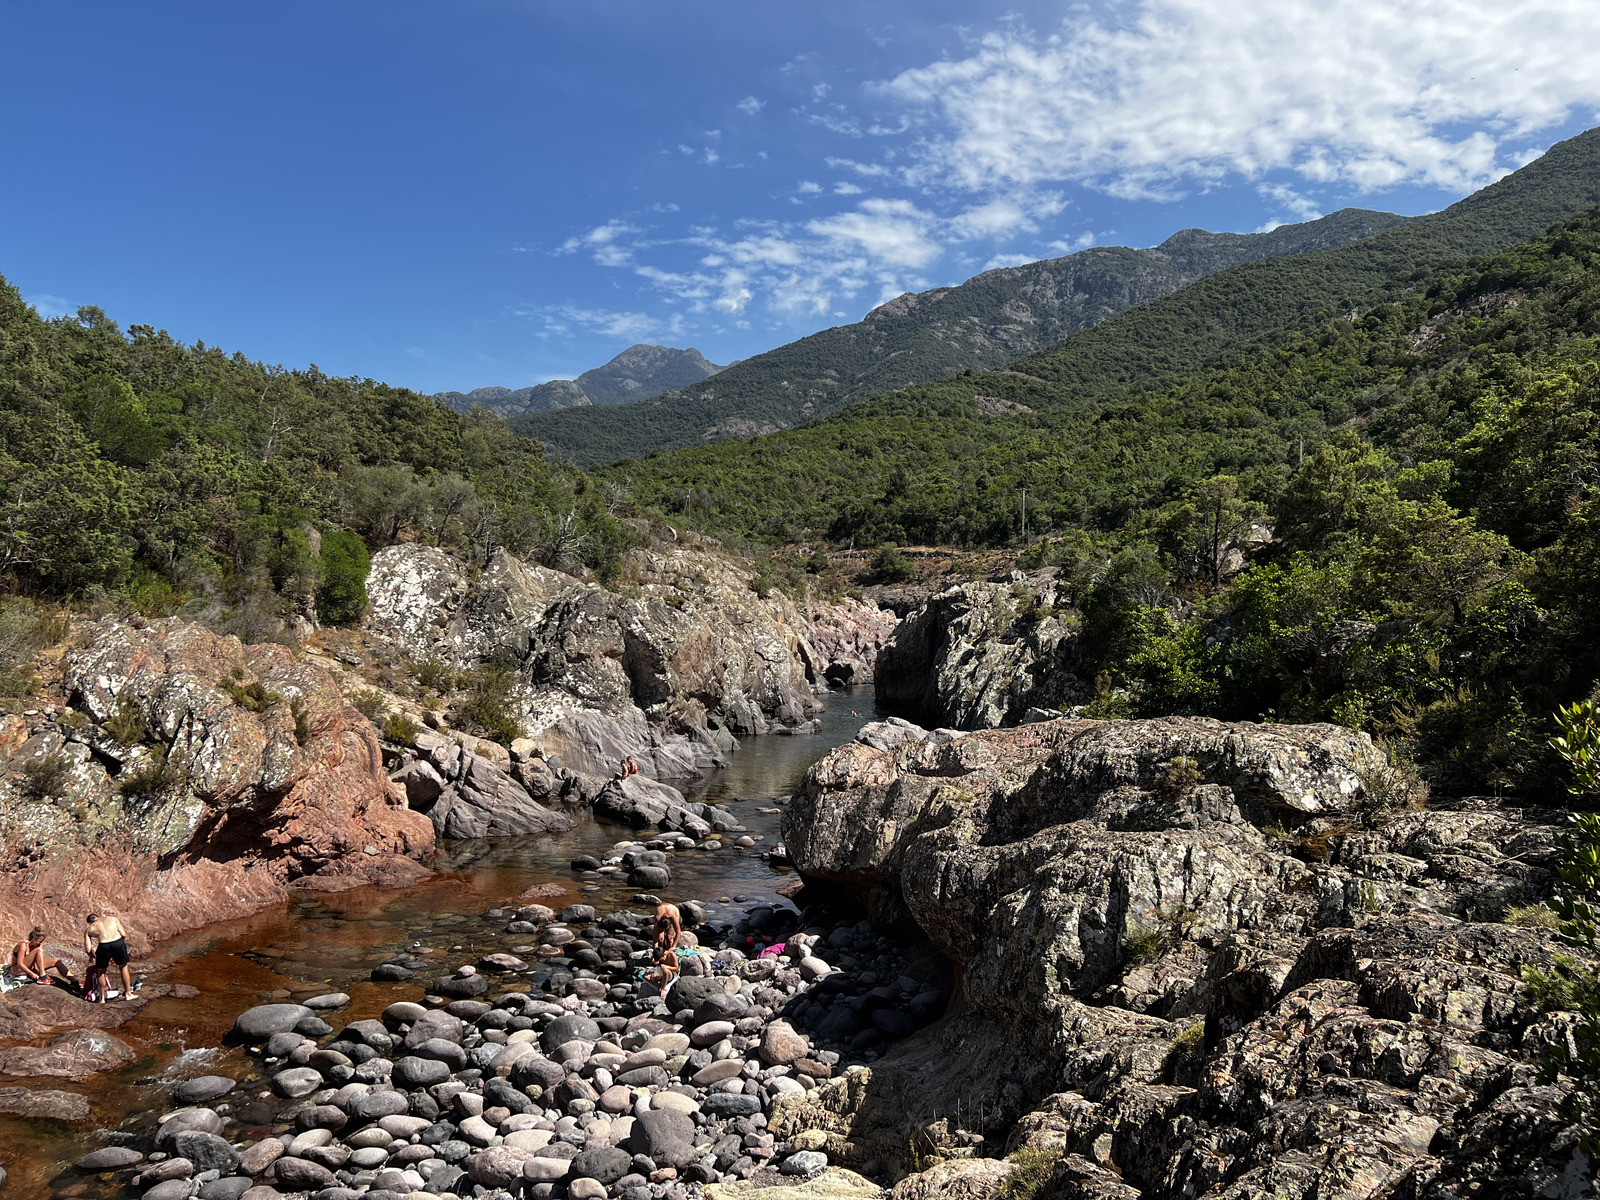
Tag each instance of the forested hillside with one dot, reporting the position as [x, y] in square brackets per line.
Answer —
[1426, 465]
[988, 321]
[182, 476]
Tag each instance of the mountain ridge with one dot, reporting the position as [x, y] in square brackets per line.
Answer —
[989, 320]
[640, 372]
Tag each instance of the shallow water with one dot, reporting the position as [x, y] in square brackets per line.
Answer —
[324, 943]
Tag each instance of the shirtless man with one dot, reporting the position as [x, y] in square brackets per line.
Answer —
[106, 941]
[669, 928]
[28, 960]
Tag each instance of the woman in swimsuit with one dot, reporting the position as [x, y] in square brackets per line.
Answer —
[29, 962]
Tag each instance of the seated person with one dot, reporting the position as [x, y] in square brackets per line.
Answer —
[30, 964]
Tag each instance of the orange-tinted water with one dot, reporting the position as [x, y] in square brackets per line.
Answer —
[325, 943]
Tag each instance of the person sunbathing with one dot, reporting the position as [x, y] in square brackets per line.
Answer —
[29, 963]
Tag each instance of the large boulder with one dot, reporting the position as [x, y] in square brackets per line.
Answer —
[486, 802]
[637, 800]
[282, 782]
[75, 1055]
[44, 1103]
[264, 1020]
[1179, 941]
[980, 655]
[669, 675]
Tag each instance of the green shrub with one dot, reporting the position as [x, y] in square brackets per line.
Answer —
[1177, 777]
[485, 711]
[252, 696]
[1143, 943]
[1185, 1053]
[1533, 916]
[302, 721]
[400, 729]
[150, 776]
[889, 565]
[368, 702]
[342, 595]
[431, 673]
[126, 724]
[46, 776]
[21, 637]
[1033, 1169]
[817, 563]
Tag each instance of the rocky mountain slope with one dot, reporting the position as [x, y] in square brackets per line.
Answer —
[1194, 959]
[185, 778]
[181, 777]
[672, 668]
[986, 322]
[638, 373]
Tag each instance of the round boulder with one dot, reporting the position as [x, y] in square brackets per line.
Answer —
[264, 1020]
[497, 1167]
[109, 1158]
[206, 1151]
[413, 1073]
[203, 1088]
[607, 1164]
[296, 1082]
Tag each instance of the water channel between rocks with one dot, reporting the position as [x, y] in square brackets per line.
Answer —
[323, 943]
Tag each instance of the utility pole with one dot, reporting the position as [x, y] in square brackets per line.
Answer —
[1024, 515]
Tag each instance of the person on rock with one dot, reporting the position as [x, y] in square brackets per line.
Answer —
[106, 941]
[29, 962]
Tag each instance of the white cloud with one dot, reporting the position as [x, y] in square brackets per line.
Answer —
[1008, 260]
[892, 232]
[1072, 245]
[50, 307]
[750, 106]
[635, 326]
[846, 189]
[1302, 208]
[603, 243]
[1365, 93]
[808, 188]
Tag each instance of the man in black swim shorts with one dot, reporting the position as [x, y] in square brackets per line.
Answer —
[105, 939]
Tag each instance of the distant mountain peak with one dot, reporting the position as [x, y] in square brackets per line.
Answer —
[641, 372]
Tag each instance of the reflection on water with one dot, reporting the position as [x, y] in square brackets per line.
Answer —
[322, 943]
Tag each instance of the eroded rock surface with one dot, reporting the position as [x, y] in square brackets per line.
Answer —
[201, 776]
[670, 669]
[980, 655]
[1238, 978]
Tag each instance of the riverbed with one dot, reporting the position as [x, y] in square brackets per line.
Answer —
[321, 943]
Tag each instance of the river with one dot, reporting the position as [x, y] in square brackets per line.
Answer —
[323, 943]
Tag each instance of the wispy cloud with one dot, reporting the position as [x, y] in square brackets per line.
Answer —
[1172, 93]
[634, 326]
[604, 243]
[750, 106]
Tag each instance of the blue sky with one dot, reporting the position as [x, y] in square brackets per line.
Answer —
[448, 195]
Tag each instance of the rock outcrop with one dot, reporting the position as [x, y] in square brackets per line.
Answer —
[848, 635]
[189, 781]
[1195, 959]
[980, 655]
[670, 669]
[471, 788]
